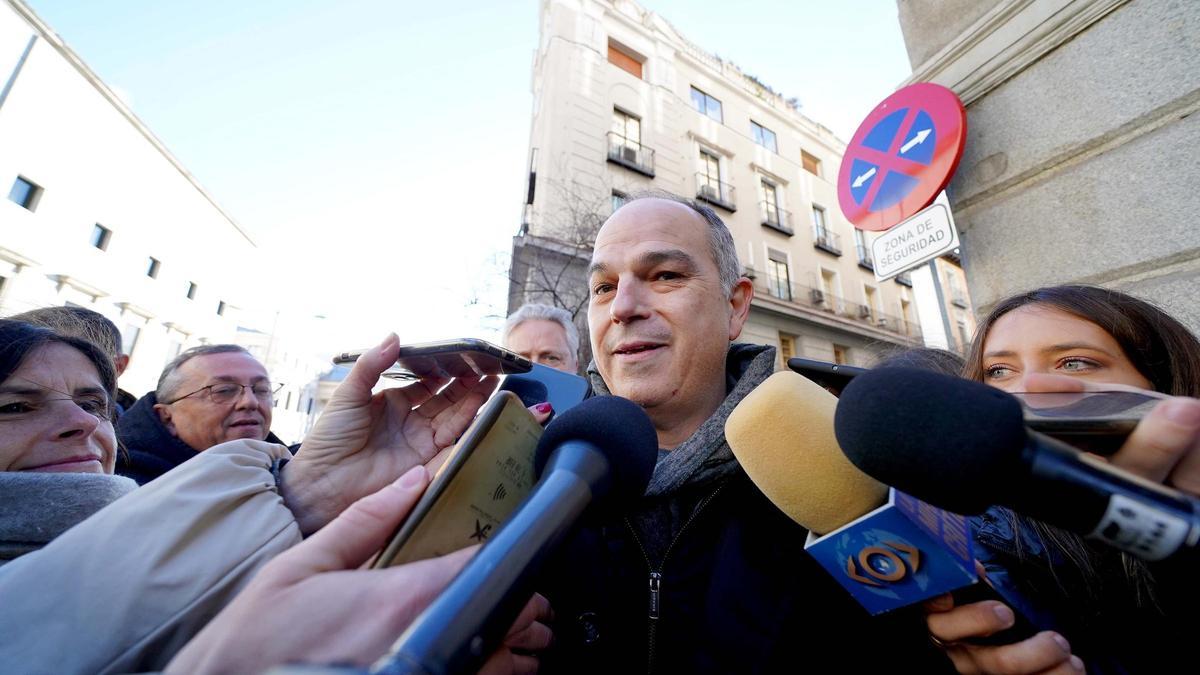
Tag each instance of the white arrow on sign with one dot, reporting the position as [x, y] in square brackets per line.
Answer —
[858, 182]
[917, 140]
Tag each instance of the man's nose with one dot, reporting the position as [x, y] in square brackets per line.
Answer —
[629, 303]
[247, 399]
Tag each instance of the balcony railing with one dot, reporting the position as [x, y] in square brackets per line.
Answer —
[715, 192]
[818, 299]
[630, 154]
[827, 241]
[776, 218]
[865, 260]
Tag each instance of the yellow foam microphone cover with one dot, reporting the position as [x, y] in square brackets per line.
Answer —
[782, 435]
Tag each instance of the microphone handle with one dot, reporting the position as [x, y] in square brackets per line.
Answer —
[1086, 495]
[461, 628]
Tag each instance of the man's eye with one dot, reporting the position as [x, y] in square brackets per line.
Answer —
[668, 275]
[600, 289]
[226, 390]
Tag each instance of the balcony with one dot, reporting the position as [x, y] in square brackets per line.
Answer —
[776, 218]
[827, 241]
[958, 296]
[818, 299]
[630, 154]
[715, 192]
[865, 260]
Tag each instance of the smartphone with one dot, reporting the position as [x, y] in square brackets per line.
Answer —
[1093, 421]
[832, 376]
[487, 474]
[542, 383]
[465, 357]
[1096, 422]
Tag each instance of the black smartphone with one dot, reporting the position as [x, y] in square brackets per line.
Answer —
[832, 376]
[542, 383]
[1093, 421]
[465, 357]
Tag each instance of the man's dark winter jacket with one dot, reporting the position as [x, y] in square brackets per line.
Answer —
[150, 449]
[705, 575]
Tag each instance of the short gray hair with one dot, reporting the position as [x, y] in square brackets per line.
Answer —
[720, 241]
[169, 380]
[535, 312]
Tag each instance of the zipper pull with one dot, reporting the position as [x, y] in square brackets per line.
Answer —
[655, 584]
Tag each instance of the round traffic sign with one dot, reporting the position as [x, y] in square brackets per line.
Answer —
[902, 156]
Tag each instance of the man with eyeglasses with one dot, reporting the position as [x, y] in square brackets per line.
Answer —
[205, 396]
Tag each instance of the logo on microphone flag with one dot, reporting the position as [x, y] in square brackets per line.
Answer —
[903, 552]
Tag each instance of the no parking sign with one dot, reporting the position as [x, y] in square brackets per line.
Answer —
[902, 155]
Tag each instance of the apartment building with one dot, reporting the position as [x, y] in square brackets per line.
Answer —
[622, 102]
[96, 212]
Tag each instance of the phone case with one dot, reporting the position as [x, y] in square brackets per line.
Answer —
[465, 357]
[488, 473]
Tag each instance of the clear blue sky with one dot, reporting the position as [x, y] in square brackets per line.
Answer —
[375, 149]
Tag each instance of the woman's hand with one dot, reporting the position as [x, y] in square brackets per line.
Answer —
[1047, 652]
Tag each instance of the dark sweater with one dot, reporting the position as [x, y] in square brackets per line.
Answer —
[150, 448]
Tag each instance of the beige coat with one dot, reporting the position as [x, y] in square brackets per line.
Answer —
[124, 590]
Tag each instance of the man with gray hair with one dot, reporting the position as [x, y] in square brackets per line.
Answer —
[702, 574]
[205, 396]
[545, 335]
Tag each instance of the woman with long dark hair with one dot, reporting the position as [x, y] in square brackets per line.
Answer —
[57, 444]
[1121, 614]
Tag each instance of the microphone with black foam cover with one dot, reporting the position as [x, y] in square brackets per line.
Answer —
[964, 446]
[887, 549]
[596, 457]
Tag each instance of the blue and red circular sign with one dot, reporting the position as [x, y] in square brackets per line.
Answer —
[902, 156]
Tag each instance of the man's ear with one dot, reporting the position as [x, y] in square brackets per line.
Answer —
[739, 304]
[121, 363]
[164, 416]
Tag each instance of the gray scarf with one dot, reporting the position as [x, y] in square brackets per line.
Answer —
[705, 456]
[37, 507]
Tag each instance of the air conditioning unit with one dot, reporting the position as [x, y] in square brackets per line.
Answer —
[883, 322]
[818, 296]
[629, 154]
[748, 272]
[864, 312]
[709, 192]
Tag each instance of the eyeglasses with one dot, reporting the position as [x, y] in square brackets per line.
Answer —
[230, 391]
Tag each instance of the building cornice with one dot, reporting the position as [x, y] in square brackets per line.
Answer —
[1005, 41]
[82, 68]
[64, 280]
[11, 256]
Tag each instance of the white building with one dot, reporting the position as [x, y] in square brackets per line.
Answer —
[623, 102]
[95, 211]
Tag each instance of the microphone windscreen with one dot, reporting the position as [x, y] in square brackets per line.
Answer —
[782, 435]
[952, 442]
[618, 428]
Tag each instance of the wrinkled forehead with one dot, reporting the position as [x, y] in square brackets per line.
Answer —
[55, 366]
[648, 225]
[223, 367]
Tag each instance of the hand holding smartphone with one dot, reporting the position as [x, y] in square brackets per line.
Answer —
[464, 357]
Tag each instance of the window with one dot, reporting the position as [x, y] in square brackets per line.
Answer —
[872, 298]
[26, 193]
[621, 58]
[221, 308]
[779, 283]
[618, 199]
[810, 163]
[819, 227]
[863, 249]
[772, 215]
[174, 347]
[763, 136]
[191, 292]
[152, 266]
[708, 181]
[787, 347]
[841, 354]
[707, 105]
[627, 128]
[129, 338]
[100, 237]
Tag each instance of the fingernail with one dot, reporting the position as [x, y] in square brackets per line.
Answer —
[1185, 412]
[1062, 642]
[1077, 663]
[412, 478]
[1004, 614]
[543, 407]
